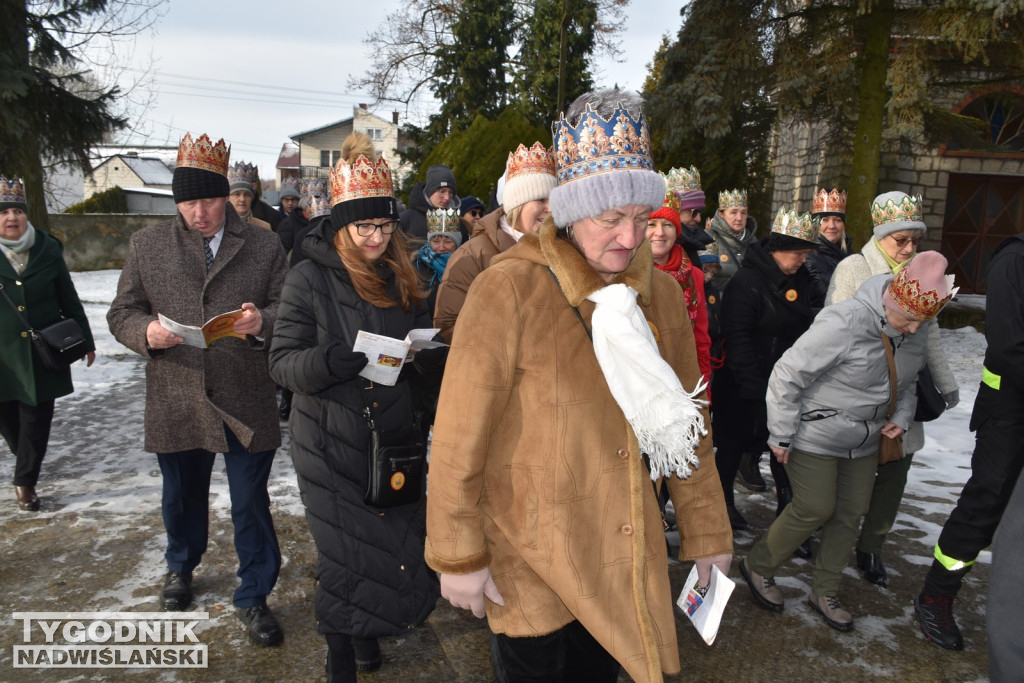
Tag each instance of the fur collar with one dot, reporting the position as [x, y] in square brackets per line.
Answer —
[575, 276]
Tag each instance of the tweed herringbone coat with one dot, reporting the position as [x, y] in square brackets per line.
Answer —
[191, 393]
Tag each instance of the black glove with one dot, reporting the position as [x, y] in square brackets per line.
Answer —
[431, 360]
[344, 364]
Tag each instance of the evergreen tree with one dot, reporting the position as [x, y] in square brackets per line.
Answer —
[51, 108]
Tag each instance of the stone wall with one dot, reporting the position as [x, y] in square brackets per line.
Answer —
[96, 241]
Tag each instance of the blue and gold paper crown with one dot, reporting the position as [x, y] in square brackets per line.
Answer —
[319, 205]
[11, 191]
[316, 187]
[241, 174]
[596, 145]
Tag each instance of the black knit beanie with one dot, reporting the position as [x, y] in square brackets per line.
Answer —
[363, 209]
[439, 176]
[195, 183]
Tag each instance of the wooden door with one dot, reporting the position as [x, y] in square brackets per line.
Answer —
[981, 212]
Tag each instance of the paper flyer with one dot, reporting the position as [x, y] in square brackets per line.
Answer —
[705, 609]
[215, 328]
[387, 355]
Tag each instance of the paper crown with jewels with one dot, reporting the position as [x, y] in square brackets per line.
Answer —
[290, 187]
[442, 220]
[601, 163]
[362, 180]
[362, 190]
[202, 154]
[792, 224]
[319, 205]
[315, 187]
[597, 145]
[241, 176]
[902, 208]
[671, 200]
[915, 300]
[534, 159]
[830, 203]
[732, 199]
[12, 194]
[683, 179]
[709, 254]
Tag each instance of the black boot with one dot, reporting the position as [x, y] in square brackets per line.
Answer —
[284, 409]
[749, 472]
[874, 570]
[736, 520]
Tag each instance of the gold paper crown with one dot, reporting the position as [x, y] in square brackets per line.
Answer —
[791, 224]
[597, 145]
[362, 180]
[709, 254]
[829, 202]
[908, 209]
[536, 159]
[203, 154]
[671, 194]
[907, 294]
[683, 179]
[732, 199]
[12, 191]
[241, 173]
[442, 220]
[319, 205]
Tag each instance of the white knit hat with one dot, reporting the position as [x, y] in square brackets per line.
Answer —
[529, 175]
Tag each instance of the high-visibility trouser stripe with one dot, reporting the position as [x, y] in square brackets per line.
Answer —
[990, 378]
[951, 563]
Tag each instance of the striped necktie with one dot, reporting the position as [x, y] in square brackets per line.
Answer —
[209, 252]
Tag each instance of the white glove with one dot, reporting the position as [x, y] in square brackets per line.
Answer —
[704, 565]
[467, 591]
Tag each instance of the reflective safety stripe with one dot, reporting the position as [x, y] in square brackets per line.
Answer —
[990, 378]
[951, 563]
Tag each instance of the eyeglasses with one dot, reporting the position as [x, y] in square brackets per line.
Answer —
[477, 213]
[367, 229]
[904, 241]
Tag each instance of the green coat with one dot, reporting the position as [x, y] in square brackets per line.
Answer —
[45, 291]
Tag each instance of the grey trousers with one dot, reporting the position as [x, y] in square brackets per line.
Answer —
[830, 492]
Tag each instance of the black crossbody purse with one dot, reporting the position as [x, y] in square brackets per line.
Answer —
[57, 345]
[396, 460]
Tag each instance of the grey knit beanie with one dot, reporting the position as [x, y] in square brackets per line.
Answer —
[603, 158]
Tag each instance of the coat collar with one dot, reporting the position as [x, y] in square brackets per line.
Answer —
[576, 277]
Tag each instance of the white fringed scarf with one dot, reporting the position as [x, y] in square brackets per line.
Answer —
[666, 419]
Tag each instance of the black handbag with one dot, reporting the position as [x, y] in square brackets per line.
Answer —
[397, 466]
[930, 403]
[58, 345]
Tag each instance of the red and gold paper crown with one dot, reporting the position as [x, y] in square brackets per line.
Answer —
[829, 202]
[203, 154]
[906, 293]
[535, 159]
[908, 209]
[732, 199]
[363, 179]
[682, 180]
[12, 191]
[597, 145]
[796, 225]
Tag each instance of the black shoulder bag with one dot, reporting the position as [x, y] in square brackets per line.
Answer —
[396, 460]
[930, 403]
[58, 345]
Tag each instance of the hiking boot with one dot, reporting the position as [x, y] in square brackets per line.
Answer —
[749, 473]
[935, 614]
[874, 570]
[828, 607]
[763, 588]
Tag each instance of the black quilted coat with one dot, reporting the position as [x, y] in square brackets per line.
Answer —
[371, 576]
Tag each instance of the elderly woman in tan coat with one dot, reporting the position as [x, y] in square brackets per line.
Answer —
[541, 512]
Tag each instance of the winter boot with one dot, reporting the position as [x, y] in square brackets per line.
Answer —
[874, 570]
[749, 473]
[829, 608]
[935, 614]
[763, 588]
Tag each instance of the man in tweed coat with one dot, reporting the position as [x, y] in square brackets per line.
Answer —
[199, 402]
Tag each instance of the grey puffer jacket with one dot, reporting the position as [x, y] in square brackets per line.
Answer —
[829, 392]
[849, 275]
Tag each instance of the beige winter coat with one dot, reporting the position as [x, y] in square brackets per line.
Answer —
[542, 479]
[849, 275]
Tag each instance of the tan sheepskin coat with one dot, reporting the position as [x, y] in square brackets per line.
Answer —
[543, 480]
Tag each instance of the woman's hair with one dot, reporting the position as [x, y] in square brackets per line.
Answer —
[370, 286]
[512, 217]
